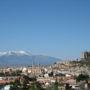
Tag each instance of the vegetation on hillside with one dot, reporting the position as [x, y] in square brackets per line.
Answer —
[85, 62]
[82, 77]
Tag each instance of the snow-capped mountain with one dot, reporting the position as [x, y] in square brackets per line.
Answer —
[14, 53]
[25, 58]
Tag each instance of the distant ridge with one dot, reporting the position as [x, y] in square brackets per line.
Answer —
[25, 58]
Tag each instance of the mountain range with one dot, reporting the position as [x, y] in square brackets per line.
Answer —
[25, 58]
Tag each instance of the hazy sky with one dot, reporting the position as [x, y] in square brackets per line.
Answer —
[58, 28]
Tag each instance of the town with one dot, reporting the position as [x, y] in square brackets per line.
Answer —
[63, 75]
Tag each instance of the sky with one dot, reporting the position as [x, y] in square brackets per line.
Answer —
[57, 28]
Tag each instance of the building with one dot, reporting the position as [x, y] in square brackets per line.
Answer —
[85, 55]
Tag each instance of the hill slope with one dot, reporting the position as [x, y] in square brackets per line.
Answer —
[85, 62]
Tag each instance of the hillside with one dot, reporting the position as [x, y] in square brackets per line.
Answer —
[85, 62]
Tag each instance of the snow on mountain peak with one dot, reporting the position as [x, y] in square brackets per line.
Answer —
[14, 53]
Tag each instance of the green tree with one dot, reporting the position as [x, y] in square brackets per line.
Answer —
[16, 73]
[82, 77]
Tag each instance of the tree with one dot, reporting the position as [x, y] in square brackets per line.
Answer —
[68, 87]
[54, 86]
[82, 77]
[16, 73]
